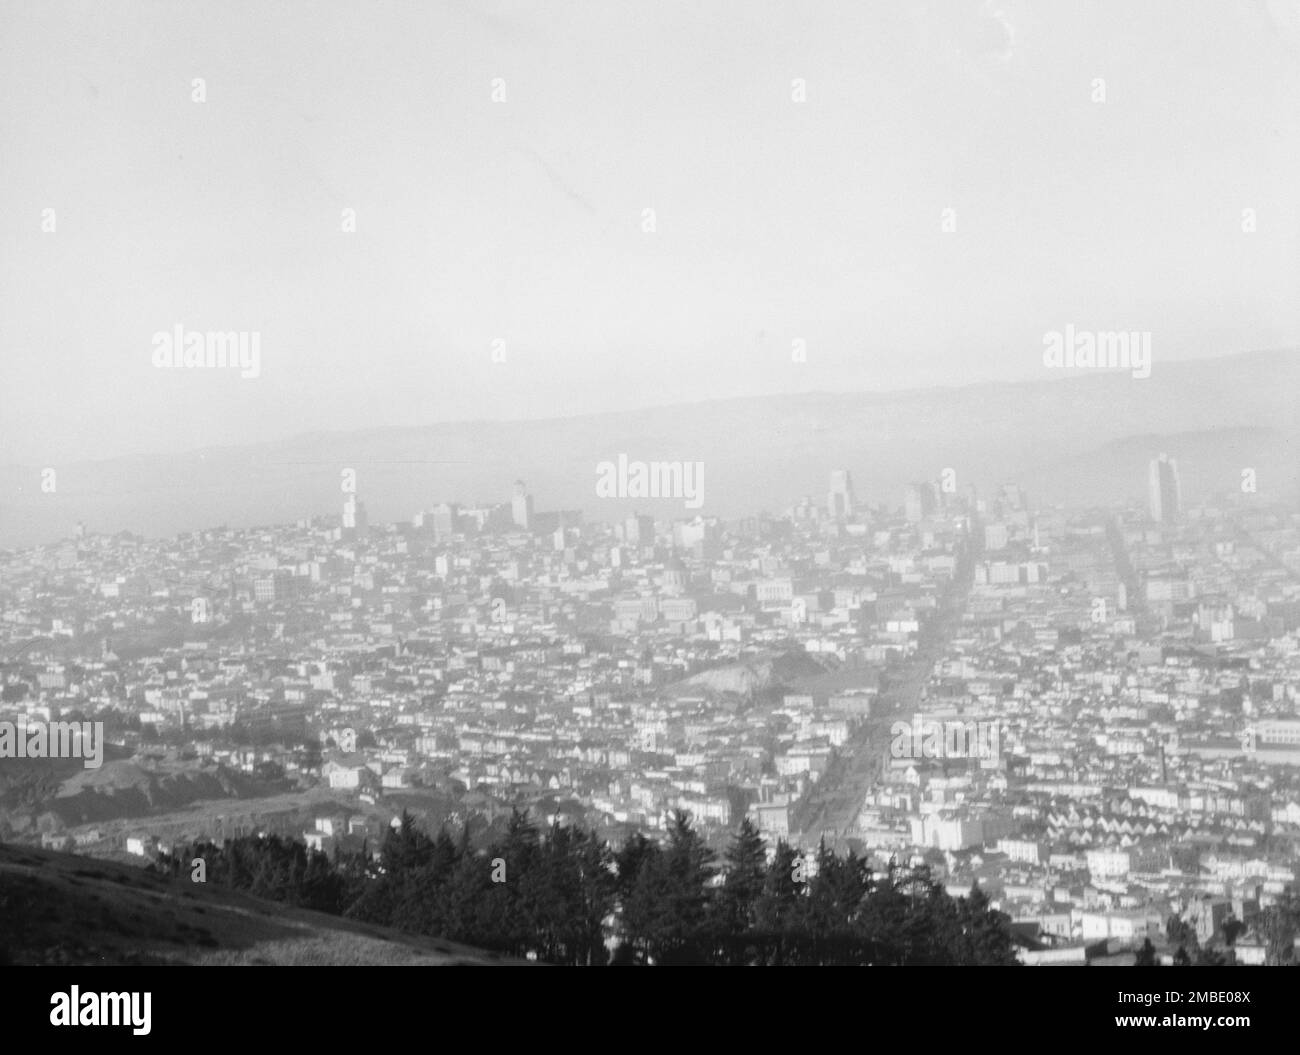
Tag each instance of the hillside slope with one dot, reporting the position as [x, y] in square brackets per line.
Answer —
[58, 908]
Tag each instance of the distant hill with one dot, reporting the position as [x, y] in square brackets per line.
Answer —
[66, 793]
[1209, 462]
[59, 908]
[753, 676]
[1059, 433]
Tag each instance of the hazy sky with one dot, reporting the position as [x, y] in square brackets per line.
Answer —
[523, 220]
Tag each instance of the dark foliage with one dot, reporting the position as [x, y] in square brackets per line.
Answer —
[562, 896]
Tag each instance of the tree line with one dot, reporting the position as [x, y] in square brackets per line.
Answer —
[563, 895]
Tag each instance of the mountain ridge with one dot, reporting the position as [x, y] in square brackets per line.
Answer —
[758, 452]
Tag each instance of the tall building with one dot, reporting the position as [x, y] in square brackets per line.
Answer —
[1013, 498]
[919, 501]
[839, 502]
[639, 530]
[443, 519]
[356, 524]
[1163, 490]
[521, 506]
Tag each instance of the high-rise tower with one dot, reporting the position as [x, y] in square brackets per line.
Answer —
[1163, 490]
[521, 506]
[840, 502]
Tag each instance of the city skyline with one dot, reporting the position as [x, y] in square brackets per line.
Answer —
[1082, 440]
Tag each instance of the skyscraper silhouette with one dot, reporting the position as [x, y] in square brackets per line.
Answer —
[521, 506]
[1163, 490]
[840, 501]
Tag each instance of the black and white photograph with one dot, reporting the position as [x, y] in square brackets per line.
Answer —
[697, 483]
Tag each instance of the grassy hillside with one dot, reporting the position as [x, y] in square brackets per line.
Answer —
[59, 908]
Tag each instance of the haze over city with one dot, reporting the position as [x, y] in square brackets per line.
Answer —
[498, 161]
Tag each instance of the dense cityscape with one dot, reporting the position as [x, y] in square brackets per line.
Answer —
[1089, 715]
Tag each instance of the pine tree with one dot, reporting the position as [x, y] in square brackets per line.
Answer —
[987, 932]
[516, 905]
[637, 888]
[690, 865]
[667, 914]
[883, 922]
[778, 907]
[835, 897]
[598, 892]
[629, 861]
[746, 870]
[405, 847]
[467, 905]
